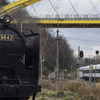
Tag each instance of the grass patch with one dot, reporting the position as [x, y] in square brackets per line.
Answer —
[59, 95]
[69, 90]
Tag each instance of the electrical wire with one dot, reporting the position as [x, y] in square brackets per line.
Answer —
[33, 8]
[36, 7]
[95, 5]
[58, 4]
[76, 5]
[74, 38]
[73, 7]
[82, 39]
[94, 8]
[53, 7]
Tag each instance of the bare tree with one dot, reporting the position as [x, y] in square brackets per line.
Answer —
[47, 43]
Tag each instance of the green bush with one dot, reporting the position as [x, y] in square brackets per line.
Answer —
[43, 93]
[43, 98]
[60, 94]
[67, 98]
[67, 93]
[52, 93]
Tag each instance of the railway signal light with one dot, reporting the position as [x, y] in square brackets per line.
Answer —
[81, 54]
[97, 52]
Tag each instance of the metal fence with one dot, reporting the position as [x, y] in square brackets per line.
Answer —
[68, 17]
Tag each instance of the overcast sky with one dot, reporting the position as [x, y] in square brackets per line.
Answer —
[87, 39]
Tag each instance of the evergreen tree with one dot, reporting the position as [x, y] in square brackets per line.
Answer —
[4, 2]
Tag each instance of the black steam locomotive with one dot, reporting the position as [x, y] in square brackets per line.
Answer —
[19, 63]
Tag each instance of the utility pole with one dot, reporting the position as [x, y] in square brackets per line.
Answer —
[78, 52]
[41, 64]
[57, 59]
[71, 73]
[57, 54]
[97, 52]
[21, 24]
[90, 75]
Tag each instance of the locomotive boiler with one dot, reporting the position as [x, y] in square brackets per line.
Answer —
[19, 63]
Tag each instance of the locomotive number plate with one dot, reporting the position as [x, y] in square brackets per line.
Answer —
[6, 37]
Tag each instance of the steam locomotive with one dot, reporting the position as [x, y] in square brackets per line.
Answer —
[19, 63]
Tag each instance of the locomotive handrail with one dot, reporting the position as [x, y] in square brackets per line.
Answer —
[15, 6]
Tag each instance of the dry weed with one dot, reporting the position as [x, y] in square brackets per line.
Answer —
[79, 87]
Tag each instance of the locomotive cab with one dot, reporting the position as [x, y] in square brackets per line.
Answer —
[17, 79]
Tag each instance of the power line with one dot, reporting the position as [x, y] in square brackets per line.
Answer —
[73, 7]
[53, 7]
[94, 8]
[82, 39]
[77, 38]
[36, 7]
[58, 4]
[32, 8]
[76, 5]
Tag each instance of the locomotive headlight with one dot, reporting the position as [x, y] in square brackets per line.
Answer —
[7, 19]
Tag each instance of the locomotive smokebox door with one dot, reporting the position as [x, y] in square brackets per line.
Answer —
[12, 47]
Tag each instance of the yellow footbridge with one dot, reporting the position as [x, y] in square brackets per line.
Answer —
[15, 6]
[67, 22]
